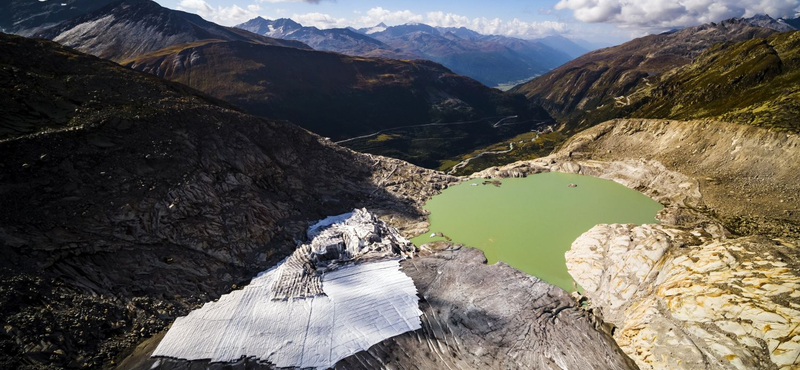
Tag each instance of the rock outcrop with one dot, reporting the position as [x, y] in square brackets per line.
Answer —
[474, 316]
[357, 235]
[683, 299]
[715, 286]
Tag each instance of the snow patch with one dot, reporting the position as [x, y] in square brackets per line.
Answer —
[375, 30]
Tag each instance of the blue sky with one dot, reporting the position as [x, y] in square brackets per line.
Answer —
[599, 21]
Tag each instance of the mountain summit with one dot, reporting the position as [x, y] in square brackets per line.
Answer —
[340, 40]
[124, 29]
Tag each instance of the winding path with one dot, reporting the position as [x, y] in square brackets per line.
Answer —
[495, 125]
[466, 161]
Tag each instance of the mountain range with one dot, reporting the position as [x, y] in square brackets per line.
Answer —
[490, 59]
[341, 40]
[124, 29]
[277, 78]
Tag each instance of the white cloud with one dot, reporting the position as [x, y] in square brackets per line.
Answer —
[228, 16]
[290, 1]
[496, 26]
[664, 14]
[320, 20]
[378, 15]
[368, 19]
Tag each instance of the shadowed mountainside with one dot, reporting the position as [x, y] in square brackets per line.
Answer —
[342, 97]
[128, 28]
[150, 198]
[573, 91]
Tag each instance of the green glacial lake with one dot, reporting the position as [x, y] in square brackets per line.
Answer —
[530, 222]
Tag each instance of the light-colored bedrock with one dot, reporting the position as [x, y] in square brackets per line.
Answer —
[682, 300]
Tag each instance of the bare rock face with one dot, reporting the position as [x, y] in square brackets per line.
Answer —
[715, 286]
[478, 316]
[682, 300]
[647, 176]
[748, 176]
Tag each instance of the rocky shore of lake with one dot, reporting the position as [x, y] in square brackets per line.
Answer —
[717, 284]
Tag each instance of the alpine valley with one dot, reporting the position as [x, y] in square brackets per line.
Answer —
[179, 194]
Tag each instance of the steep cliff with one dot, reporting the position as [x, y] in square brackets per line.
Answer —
[685, 299]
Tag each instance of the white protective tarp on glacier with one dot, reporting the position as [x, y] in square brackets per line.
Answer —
[364, 304]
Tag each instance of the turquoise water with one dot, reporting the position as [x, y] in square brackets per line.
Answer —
[530, 222]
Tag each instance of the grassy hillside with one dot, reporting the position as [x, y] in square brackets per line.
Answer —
[756, 82]
[604, 78]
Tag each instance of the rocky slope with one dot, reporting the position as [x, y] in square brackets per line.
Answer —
[135, 209]
[715, 285]
[29, 17]
[342, 97]
[574, 90]
[127, 28]
[474, 316]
